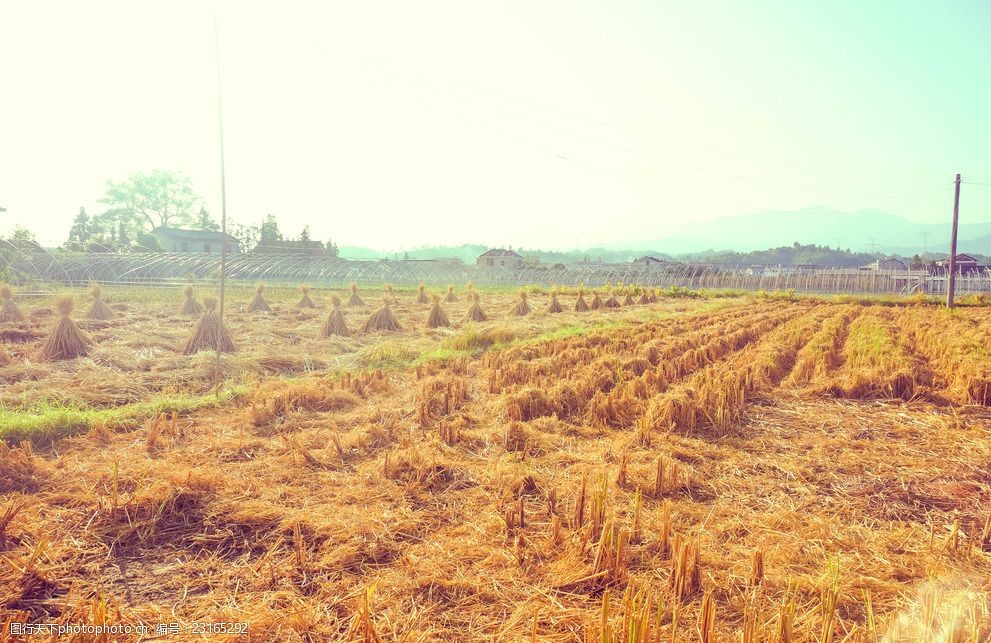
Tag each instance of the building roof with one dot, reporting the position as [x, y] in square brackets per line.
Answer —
[290, 246]
[649, 259]
[496, 252]
[961, 257]
[195, 235]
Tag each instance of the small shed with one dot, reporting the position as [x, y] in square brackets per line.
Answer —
[194, 241]
[498, 258]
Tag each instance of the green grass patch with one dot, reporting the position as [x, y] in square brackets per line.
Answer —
[47, 422]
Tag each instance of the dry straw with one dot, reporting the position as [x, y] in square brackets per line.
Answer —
[612, 302]
[437, 317]
[66, 340]
[522, 307]
[653, 296]
[305, 301]
[382, 319]
[210, 333]
[191, 306]
[451, 297]
[596, 301]
[628, 299]
[99, 310]
[581, 305]
[422, 298]
[354, 299]
[554, 306]
[258, 304]
[9, 311]
[475, 312]
[335, 323]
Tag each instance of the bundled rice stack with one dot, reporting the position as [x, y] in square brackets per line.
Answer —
[210, 333]
[66, 340]
[335, 324]
[9, 311]
[258, 304]
[305, 301]
[612, 302]
[451, 297]
[555, 305]
[437, 317]
[596, 301]
[191, 306]
[422, 297]
[5, 358]
[99, 310]
[475, 312]
[522, 307]
[628, 299]
[644, 299]
[653, 295]
[581, 305]
[354, 299]
[381, 319]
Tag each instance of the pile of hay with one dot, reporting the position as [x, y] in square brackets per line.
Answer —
[628, 299]
[258, 304]
[522, 307]
[596, 301]
[437, 317]
[475, 312]
[5, 358]
[191, 306]
[99, 310]
[66, 340]
[612, 302]
[451, 297]
[335, 324]
[354, 299]
[381, 319]
[644, 299]
[555, 305]
[422, 297]
[581, 305]
[305, 301]
[9, 311]
[653, 296]
[210, 333]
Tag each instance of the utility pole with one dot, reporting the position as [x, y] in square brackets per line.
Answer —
[952, 279]
[223, 190]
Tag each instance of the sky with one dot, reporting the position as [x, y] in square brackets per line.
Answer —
[394, 125]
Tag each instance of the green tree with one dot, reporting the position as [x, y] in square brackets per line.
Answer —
[305, 234]
[82, 227]
[204, 221]
[332, 249]
[269, 232]
[21, 234]
[157, 199]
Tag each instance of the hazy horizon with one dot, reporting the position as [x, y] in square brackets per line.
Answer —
[392, 125]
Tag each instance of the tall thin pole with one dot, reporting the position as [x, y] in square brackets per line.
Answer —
[952, 280]
[223, 187]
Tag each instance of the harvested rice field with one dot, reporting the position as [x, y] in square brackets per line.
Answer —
[665, 469]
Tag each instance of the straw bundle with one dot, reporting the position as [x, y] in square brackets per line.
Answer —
[5, 358]
[422, 297]
[475, 312]
[437, 317]
[653, 295]
[522, 307]
[354, 299]
[258, 304]
[581, 305]
[66, 340]
[555, 305]
[451, 297]
[210, 333]
[305, 301]
[9, 311]
[381, 319]
[644, 299]
[99, 310]
[335, 324]
[596, 301]
[628, 299]
[191, 306]
[612, 302]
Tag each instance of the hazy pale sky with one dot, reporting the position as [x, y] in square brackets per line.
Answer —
[525, 123]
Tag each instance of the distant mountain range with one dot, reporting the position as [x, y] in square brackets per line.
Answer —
[859, 232]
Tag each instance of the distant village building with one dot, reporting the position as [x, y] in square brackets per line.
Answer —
[292, 247]
[964, 263]
[194, 241]
[648, 263]
[496, 258]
